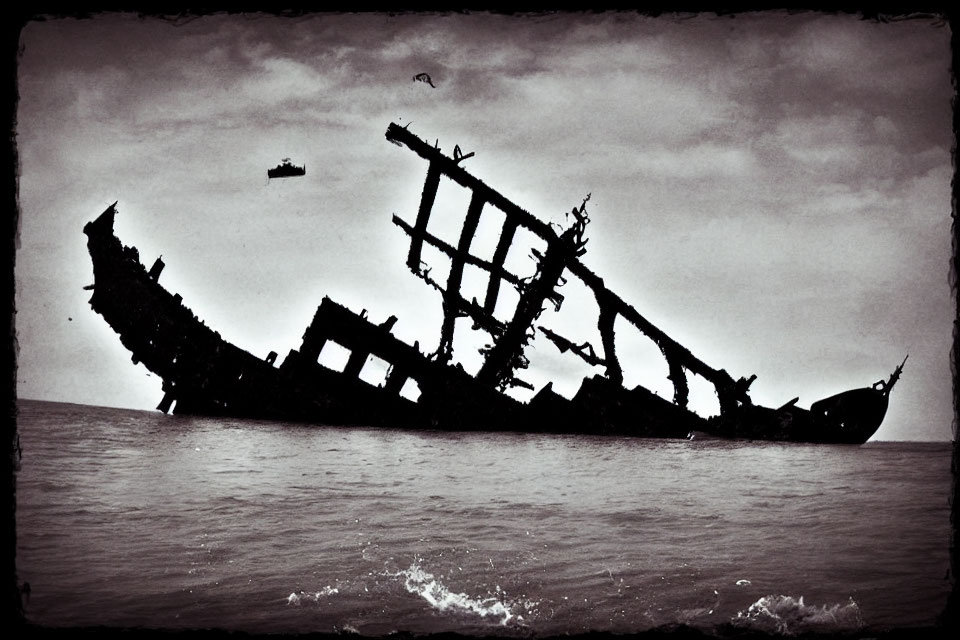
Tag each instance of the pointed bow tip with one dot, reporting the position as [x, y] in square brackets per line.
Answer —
[104, 220]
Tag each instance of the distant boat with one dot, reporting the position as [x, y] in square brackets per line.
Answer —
[286, 169]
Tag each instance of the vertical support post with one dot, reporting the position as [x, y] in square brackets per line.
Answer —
[452, 294]
[430, 187]
[355, 363]
[394, 383]
[499, 257]
[678, 376]
[501, 359]
[463, 245]
[605, 323]
[166, 402]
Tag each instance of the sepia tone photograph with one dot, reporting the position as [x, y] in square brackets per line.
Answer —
[517, 325]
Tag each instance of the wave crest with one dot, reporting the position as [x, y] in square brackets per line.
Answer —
[440, 597]
[297, 597]
[787, 615]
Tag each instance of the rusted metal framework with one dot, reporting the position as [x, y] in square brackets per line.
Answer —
[203, 374]
[563, 253]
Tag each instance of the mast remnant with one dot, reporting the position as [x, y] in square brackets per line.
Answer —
[563, 254]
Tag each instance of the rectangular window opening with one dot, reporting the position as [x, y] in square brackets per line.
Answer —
[374, 371]
[410, 390]
[333, 356]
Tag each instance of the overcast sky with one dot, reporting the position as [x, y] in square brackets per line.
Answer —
[771, 190]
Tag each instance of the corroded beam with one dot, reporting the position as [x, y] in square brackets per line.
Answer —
[605, 322]
[458, 259]
[616, 305]
[401, 136]
[611, 305]
[496, 265]
[497, 271]
[427, 198]
[585, 351]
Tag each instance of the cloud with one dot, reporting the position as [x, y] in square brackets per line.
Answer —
[701, 161]
[844, 49]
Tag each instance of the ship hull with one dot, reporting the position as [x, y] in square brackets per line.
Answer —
[850, 417]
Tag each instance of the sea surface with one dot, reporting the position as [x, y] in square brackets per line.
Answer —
[138, 519]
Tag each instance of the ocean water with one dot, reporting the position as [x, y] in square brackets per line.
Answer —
[136, 519]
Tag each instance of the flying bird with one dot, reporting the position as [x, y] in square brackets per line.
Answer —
[423, 77]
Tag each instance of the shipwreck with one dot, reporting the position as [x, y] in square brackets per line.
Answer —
[206, 375]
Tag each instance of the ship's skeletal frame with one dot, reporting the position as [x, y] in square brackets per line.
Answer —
[203, 374]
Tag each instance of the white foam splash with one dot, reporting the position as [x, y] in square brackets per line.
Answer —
[425, 585]
[297, 597]
[788, 615]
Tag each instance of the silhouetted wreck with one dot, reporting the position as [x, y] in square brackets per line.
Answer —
[286, 169]
[203, 374]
